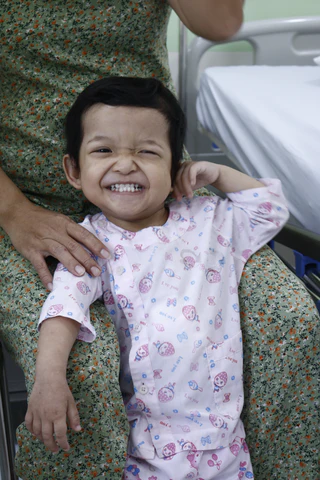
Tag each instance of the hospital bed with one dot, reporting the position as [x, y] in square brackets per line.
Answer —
[263, 118]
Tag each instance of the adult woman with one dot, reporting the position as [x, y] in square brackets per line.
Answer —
[51, 51]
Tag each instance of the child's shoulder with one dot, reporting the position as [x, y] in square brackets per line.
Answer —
[194, 209]
[194, 203]
[91, 222]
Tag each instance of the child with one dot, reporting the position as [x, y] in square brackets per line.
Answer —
[170, 285]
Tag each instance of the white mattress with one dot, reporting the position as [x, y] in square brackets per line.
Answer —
[269, 119]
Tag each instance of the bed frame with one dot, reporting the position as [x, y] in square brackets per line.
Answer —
[275, 42]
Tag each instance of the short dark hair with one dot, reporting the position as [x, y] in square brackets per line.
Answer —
[128, 92]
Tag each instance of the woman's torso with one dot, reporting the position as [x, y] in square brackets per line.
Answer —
[51, 50]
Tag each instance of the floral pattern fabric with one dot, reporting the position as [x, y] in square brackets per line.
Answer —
[51, 50]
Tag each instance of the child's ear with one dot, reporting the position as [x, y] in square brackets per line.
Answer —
[72, 172]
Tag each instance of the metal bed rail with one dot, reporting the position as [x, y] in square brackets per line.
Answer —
[306, 248]
[7, 446]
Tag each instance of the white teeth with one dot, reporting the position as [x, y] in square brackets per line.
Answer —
[125, 187]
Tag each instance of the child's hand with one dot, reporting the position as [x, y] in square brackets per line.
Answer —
[193, 175]
[50, 403]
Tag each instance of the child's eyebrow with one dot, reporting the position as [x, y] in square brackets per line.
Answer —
[151, 142]
[98, 138]
[144, 141]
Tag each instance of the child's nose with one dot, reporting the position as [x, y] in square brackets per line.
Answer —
[125, 164]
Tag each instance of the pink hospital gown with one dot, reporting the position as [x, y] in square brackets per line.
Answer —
[172, 292]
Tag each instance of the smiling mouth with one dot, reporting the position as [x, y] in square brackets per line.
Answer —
[125, 187]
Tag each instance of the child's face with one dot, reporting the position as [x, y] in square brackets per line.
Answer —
[125, 164]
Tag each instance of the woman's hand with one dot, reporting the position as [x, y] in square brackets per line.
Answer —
[193, 175]
[50, 404]
[38, 233]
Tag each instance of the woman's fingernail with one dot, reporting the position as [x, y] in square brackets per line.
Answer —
[80, 270]
[50, 286]
[95, 271]
[78, 428]
[105, 254]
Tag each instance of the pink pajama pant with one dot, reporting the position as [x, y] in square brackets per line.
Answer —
[219, 464]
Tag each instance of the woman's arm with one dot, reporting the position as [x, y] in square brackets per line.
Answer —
[38, 233]
[212, 19]
[51, 401]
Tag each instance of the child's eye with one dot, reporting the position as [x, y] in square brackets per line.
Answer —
[103, 150]
[148, 152]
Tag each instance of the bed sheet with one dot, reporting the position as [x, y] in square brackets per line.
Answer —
[269, 119]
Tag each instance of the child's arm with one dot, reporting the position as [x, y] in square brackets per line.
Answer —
[51, 400]
[194, 175]
[250, 217]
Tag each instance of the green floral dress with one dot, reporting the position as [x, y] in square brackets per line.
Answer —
[51, 50]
